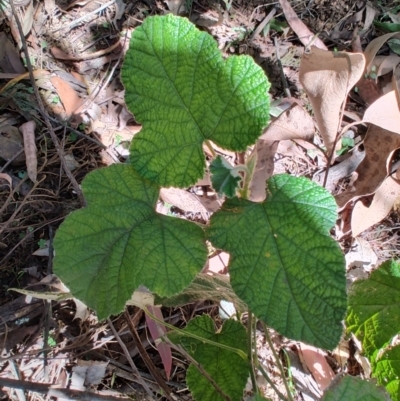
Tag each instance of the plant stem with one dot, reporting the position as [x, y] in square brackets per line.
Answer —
[208, 144]
[250, 350]
[270, 382]
[277, 361]
[237, 351]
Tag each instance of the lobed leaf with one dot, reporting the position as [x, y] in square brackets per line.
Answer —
[351, 388]
[227, 369]
[373, 314]
[284, 264]
[118, 242]
[386, 369]
[225, 179]
[183, 92]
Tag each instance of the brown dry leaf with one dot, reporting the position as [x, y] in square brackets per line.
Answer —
[218, 263]
[373, 47]
[317, 365]
[6, 177]
[368, 90]
[176, 6]
[342, 353]
[304, 34]
[9, 57]
[28, 133]
[379, 145]
[109, 132]
[360, 256]
[27, 20]
[364, 217]
[294, 123]
[188, 202]
[264, 151]
[385, 113]
[11, 144]
[69, 98]
[87, 373]
[327, 78]
[386, 64]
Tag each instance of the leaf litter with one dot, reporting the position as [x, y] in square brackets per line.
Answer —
[95, 98]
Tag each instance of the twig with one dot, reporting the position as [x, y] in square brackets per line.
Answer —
[129, 358]
[51, 391]
[79, 20]
[264, 22]
[88, 56]
[146, 359]
[42, 110]
[283, 78]
[270, 382]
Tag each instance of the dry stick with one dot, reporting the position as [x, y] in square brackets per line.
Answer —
[283, 78]
[42, 110]
[17, 210]
[129, 358]
[146, 359]
[27, 236]
[51, 391]
[48, 309]
[260, 27]
[79, 20]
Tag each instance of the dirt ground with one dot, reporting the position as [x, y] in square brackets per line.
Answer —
[76, 49]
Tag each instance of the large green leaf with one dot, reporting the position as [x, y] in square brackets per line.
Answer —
[348, 388]
[118, 242]
[228, 370]
[284, 264]
[386, 369]
[183, 92]
[374, 308]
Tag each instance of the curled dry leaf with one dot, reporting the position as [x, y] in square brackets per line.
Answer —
[189, 202]
[294, 123]
[327, 78]
[157, 331]
[9, 56]
[379, 145]
[304, 34]
[28, 132]
[11, 144]
[364, 217]
[317, 365]
[5, 177]
[69, 98]
[386, 64]
[385, 113]
[372, 49]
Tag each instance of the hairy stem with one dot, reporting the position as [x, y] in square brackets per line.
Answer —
[250, 350]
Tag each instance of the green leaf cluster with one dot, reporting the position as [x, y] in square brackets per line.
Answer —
[284, 265]
[374, 317]
[228, 369]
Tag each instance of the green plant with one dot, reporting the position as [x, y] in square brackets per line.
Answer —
[374, 318]
[284, 265]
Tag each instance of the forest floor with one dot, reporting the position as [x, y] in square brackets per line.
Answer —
[76, 50]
